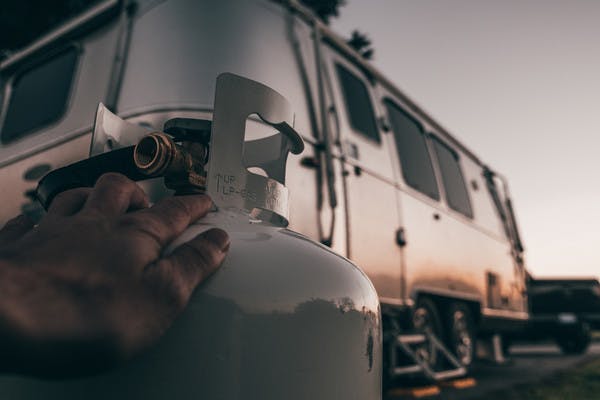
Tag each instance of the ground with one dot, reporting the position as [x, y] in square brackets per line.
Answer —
[535, 372]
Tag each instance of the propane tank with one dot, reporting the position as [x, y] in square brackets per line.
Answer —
[283, 318]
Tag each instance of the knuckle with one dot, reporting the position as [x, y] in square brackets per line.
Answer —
[172, 219]
[59, 198]
[70, 194]
[113, 178]
[203, 199]
[177, 207]
[172, 214]
[145, 226]
[130, 221]
[178, 293]
[188, 206]
[170, 287]
[160, 227]
[204, 253]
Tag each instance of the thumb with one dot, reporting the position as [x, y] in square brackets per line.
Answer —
[193, 262]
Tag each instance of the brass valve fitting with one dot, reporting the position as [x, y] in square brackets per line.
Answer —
[182, 165]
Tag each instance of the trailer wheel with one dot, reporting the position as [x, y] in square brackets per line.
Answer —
[391, 330]
[506, 344]
[426, 318]
[577, 341]
[461, 333]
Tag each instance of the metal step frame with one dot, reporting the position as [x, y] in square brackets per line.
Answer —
[407, 343]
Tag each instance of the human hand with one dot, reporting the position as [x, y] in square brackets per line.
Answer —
[88, 287]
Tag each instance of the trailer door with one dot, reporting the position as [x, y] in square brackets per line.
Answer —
[428, 265]
[372, 213]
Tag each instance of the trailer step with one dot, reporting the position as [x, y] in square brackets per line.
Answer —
[416, 338]
[450, 374]
[411, 369]
[408, 344]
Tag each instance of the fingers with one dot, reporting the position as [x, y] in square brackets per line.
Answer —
[69, 202]
[168, 218]
[15, 228]
[114, 194]
[190, 264]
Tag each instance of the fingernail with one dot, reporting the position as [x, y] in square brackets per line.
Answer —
[219, 237]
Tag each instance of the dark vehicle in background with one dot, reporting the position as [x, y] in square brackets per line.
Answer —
[563, 310]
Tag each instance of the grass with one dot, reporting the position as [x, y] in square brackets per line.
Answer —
[582, 382]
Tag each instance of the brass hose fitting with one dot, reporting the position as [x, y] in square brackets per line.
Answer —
[158, 155]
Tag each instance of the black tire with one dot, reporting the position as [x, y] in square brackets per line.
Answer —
[506, 344]
[461, 335]
[390, 332]
[576, 341]
[387, 380]
[426, 318]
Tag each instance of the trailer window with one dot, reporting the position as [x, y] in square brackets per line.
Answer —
[452, 177]
[39, 95]
[358, 104]
[412, 151]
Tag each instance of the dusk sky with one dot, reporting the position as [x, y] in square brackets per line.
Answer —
[519, 83]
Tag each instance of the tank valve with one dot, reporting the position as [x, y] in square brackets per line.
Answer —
[182, 166]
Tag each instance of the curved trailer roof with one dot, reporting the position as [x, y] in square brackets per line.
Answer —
[110, 8]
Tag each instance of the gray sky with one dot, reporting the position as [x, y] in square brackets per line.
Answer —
[518, 81]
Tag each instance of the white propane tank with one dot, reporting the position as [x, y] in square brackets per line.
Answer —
[283, 318]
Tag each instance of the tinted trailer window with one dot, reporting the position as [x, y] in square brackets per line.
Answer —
[452, 177]
[38, 95]
[412, 151]
[358, 104]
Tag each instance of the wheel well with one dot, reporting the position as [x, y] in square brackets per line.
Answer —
[403, 315]
[443, 302]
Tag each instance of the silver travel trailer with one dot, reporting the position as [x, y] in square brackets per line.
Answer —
[379, 181]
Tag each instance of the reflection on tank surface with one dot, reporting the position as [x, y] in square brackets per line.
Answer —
[172, 370]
